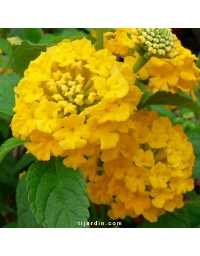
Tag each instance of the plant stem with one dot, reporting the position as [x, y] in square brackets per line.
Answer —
[140, 62]
[103, 210]
[99, 43]
[93, 211]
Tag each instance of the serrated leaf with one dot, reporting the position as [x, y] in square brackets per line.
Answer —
[25, 216]
[25, 53]
[172, 99]
[32, 34]
[6, 47]
[8, 145]
[7, 98]
[57, 194]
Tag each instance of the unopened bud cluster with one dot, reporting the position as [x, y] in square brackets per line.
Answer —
[156, 41]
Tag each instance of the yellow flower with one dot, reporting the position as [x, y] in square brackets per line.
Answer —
[139, 202]
[117, 211]
[76, 97]
[137, 179]
[117, 167]
[175, 73]
[98, 192]
[144, 158]
[170, 66]
[160, 195]
[73, 133]
[145, 175]
[159, 175]
[113, 88]
[41, 141]
[147, 41]
[175, 202]
[118, 42]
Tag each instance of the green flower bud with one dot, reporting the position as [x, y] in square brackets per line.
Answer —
[157, 42]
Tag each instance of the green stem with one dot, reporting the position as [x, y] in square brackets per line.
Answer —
[99, 43]
[103, 211]
[94, 214]
[140, 62]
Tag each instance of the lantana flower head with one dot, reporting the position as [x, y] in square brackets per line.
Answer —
[170, 66]
[153, 178]
[70, 101]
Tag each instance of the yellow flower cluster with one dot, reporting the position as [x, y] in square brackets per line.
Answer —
[81, 104]
[147, 41]
[73, 101]
[150, 171]
[178, 71]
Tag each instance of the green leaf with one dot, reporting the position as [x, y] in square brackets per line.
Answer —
[57, 194]
[4, 128]
[141, 86]
[176, 219]
[68, 32]
[7, 98]
[145, 96]
[5, 208]
[194, 138]
[4, 59]
[172, 99]
[196, 169]
[6, 175]
[23, 162]
[196, 202]
[15, 32]
[47, 39]
[9, 145]
[32, 34]
[25, 53]
[25, 216]
[5, 117]
[193, 214]
[192, 194]
[5, 45]
[50, 39]
[11, 225]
